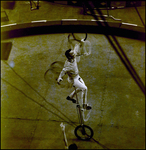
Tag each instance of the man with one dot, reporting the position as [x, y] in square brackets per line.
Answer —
[71, 69]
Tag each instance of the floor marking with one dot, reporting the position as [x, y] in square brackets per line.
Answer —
[69, 19]
[98, 20]
[39, 21]
[129, 24]
[9, 25]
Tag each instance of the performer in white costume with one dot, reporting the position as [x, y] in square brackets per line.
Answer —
[71, 69]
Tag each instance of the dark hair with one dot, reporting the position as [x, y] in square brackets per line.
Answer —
[73, 146]
[67, 53]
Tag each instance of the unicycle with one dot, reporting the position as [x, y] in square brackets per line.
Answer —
[82, 132]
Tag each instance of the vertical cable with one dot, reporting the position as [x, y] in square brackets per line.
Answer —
[123, 57]
[138, 13]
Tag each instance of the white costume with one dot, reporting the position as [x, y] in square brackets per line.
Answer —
[71, 69]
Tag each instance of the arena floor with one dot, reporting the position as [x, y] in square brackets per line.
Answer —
[33, 105]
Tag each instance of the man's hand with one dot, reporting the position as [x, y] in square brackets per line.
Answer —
[62, 126]
[82, 40]
[58, 80]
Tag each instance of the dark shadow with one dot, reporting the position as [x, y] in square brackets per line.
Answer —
[4, 16]
[8, 4]
[103, 146]
[75, 3]
[73, 28]
[91, 140]
[5, 50]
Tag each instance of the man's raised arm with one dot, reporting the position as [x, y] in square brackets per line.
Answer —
[62, 73]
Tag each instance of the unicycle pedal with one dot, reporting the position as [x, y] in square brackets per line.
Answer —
[78, 105]
[73, 100]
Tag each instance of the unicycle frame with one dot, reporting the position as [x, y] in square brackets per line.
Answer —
[82, 128]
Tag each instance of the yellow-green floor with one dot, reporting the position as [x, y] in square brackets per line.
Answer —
[32, 107]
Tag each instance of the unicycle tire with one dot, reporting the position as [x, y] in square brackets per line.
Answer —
[83, 132]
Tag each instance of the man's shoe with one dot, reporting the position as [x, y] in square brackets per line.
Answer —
[71, 99]
[87, 107]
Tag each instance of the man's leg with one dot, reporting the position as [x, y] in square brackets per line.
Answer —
[74, 92]
[80, 87]
[70, 97]
[79, 83]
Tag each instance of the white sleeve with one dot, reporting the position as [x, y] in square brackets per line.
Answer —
[76, 49]
[63, 72]
[86, 47]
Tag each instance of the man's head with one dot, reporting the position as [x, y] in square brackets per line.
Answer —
[69, 54]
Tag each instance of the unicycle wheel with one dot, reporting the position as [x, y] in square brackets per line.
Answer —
[83, 132]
